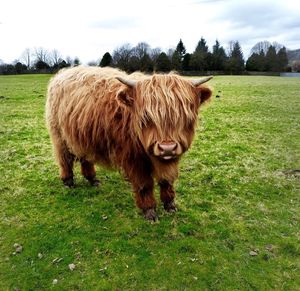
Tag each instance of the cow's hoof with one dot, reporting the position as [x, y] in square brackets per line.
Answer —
[94, 182]
[69, 182]
[170, 207]
[150, 214]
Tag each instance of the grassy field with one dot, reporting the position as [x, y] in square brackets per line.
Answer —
[237, 226]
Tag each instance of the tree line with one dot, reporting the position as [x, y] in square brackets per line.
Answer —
[264, 57]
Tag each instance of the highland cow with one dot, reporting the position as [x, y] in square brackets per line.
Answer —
[136, 123]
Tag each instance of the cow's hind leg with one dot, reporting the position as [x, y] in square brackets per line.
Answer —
[66, 161]
[167, 195]
[88, 171]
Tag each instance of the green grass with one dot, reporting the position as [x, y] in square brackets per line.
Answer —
[237, 192]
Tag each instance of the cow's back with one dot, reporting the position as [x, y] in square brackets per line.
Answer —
[80, 109]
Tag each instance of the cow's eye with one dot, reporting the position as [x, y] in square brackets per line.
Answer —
[189, 125]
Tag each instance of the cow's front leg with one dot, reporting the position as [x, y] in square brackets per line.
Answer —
[88, 171]
[144, 198]
[167, 195]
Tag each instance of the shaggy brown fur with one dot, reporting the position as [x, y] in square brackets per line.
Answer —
[142, 130]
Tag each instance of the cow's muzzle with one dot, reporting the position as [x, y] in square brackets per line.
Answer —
[167, 150]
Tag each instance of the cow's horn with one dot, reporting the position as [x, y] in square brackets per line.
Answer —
[201, 81]
[129, 83]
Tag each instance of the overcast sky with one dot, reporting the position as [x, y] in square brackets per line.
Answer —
[88, 28]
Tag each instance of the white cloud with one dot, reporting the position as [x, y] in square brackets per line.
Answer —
[89, 28]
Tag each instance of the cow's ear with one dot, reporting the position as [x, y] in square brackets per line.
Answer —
[204, 93]
[125, 97]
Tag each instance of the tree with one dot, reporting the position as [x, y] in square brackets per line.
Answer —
[146, 64]
[76, 62]
[163, 63]
[282, 59]
[271, 60]
[218, 57]
[121, 56]
[178, 55]
[236, 61]
[41, 54]
[140, 59]
[20, 68]
[256, 62]
[69, 61]
[199, 58]
[180, 49]
[106, 60]
[176, 61]
[40, 66]
[141, 49]
[252, 62]
[63, 64]
[133, 64]
[55, 58]
[26, 57]
[186, 62]
[154, 53]
[261, 46]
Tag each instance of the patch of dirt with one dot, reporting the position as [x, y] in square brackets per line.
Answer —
[292, 173]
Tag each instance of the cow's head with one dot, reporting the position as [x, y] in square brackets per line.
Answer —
[165, 109]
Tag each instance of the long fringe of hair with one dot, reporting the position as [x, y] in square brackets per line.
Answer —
[83, 111]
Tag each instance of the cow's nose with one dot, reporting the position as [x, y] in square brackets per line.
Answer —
[167, 148]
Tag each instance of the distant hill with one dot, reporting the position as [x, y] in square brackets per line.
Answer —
[293, 55]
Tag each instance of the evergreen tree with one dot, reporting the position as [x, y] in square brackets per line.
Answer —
[20, 68]
[41, 65]
[199, 59]
[178, 55]
[106, 60]
[176, 61]
[201, 46]
[180, 49]
[186, 62]
[256, 62]
[218, 57]
[76, 62]
[261, 61]
[252, 62]
[133, 64]
[235, 62]
[146, 64]
[282, 59]
[163, 64]
[271, 60]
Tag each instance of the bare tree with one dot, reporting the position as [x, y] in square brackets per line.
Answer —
[141, 49]
[277, 46]
[154, 53]
[170, 52]
[69, 61]
[41, 55]
[263, 46]
[26, 57]
[121, 56]
[55, 57]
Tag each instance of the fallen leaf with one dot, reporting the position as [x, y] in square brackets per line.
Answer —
[253, 253]
[72, 267]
